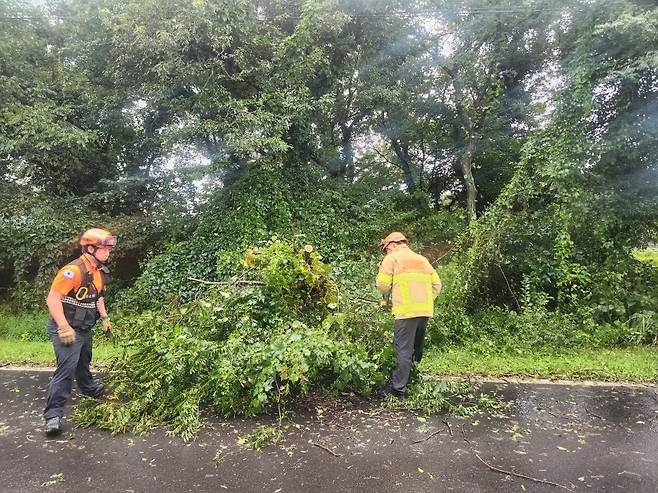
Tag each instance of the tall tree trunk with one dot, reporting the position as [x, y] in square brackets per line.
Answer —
[405, 164]
[347, 153]
[471, 131]
[466, 163]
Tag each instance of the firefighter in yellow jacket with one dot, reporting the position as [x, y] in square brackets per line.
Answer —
[412, 284]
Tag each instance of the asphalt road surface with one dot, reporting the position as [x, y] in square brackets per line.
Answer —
[552, 437]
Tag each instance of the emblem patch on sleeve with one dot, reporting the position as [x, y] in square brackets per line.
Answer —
[68, 273]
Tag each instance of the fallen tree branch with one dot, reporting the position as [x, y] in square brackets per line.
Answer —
[203, 281]
[238, 279]
[446, 253]
[327, 449]
[226, 283]
[366, 301]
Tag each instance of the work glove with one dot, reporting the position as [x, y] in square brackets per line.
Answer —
[66, 334]
[384, 306]
[107, 326]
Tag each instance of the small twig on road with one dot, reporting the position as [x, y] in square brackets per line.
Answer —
[448, 425]
[464, 435]
[428, 437]
[562, 416]
[327, 449]
[630, 473]
[553, 414]
[593, 414]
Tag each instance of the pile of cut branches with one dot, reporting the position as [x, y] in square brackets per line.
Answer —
[255, 342]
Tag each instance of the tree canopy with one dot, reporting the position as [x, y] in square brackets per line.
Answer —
[198, 128]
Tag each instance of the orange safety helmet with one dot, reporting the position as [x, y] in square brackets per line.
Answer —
[394, 237]
[97, 237]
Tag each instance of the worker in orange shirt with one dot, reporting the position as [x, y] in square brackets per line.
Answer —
[75, 302]
[411, 284]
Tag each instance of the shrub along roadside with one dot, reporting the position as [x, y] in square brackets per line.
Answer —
[39, 234]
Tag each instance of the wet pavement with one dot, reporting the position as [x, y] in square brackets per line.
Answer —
[566, 437]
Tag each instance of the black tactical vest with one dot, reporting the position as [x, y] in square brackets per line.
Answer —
[79, 305]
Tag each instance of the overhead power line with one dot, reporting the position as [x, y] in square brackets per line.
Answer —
[420, 13]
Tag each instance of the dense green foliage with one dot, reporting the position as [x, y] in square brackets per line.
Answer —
[267, 202]
[40, 233]
[557, 244]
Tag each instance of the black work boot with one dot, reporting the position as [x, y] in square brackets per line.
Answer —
[98, 392]
[395, 393]
[53, 426]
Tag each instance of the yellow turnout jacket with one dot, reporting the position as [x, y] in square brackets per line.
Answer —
[412, 282]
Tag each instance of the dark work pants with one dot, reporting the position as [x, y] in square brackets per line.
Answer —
[72, 361]
[408, 341]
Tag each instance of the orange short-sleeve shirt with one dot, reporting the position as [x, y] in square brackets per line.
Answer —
[69, 278]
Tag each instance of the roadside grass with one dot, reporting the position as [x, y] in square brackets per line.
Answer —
[24, 341]
[25, 326]
[39, 353]
[633, 364]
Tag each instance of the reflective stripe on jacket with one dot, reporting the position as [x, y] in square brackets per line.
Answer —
[412, 282]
